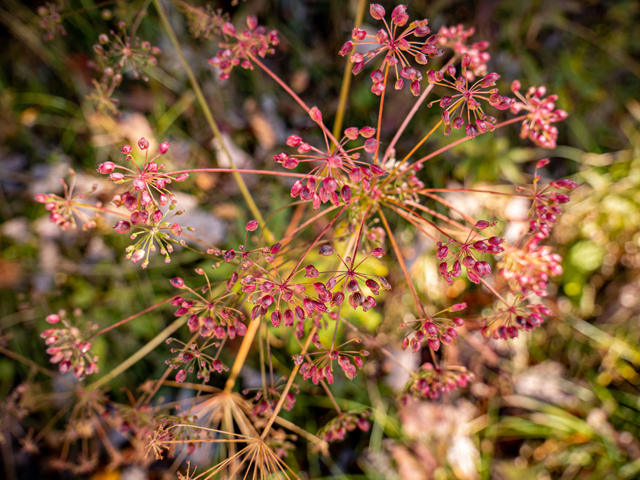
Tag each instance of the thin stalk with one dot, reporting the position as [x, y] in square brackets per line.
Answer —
[375, 156]
[207, 113]
[139, 355]
[413, 150]
[128, 319]
[346, 78]
[241, 356]
[458, 142]
[413, 111]
[287, 387]
[407, 277]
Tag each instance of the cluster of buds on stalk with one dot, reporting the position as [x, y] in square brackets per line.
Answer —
[430, 383]
[455, 38]
[332, 169]
[542, 113]
[211, 317]
[468, 99]
[321, 368]
[51, 20]
[528, 269]
[192, 356]
[240, 45]
[546, 203]
[466, 254]
[396, 46]
[506, 322]
[113, 55]
[266, 399]
[337, 428]
[67, 211]
[149, 184]
[435, 329]
[68, 347]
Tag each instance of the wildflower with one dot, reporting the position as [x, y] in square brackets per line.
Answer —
[349, 281]
[67, 345]
[328, 181]
[252, 40]
[322, 367]
[204, 22]
[67, 211]
[209, 316]
[267, 397]
[506, 322]
[152, 229]
[396, 48]
[430, 382]
[528, 269]
[466, 254]
[51, 20]
[192, 355]
[542, 113]
[456, 38]
[149, 184]
[435, 329]
[115, 53]
[468, 99]
[337, 428]
[546, 203]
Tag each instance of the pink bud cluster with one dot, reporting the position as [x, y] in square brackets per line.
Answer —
[468, 99]
[506, 322]
[529, 269]
[190, 357]
[146, 182]
[466, 254]
[430, 382]
[434, 329]
[240, 45]
[456, 38]
[396, 47]
[337, 428]
[210, 319]
[332, 169]
[68, 349]
[542, 113]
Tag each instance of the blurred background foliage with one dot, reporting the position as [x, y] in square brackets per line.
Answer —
[559, 403]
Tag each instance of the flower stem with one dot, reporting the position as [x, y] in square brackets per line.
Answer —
[241, 356]
[136, 315]
[287, 387]
[413, 111]
[346, 79]
[133, 359]
[458, 142]
[207, 113]
[386, 75]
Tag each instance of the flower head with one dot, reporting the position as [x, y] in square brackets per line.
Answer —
[435, 329]
[240, 45]
[430, 382]
[506, 322]
[67, 211]
[68, 347]
[334, 167]
[454, 254]
[396, 46]
[542, 114]
[468, 98]
[456, 38]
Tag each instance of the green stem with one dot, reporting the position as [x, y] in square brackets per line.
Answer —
[207, 113]
[140, 354]
[346, 79]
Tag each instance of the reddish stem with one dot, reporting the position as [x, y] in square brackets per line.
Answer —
[457, 142]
